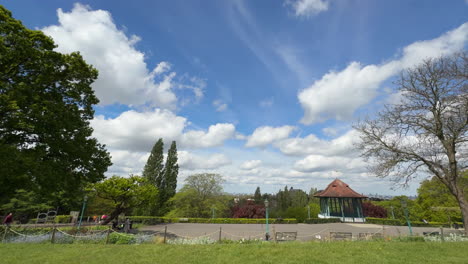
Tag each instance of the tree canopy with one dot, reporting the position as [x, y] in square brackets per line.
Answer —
[46, 102]
[427, 132]
[124, 193]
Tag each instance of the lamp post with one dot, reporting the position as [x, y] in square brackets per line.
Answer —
[82, 210]
[405, 209]
[267, 233]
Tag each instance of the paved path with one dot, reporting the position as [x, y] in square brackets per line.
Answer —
[304, 231]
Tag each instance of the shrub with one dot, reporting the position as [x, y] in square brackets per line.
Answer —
[372, 210]
[153, 220]
[62, 219]
[322, 220]
[117, 238]
[383, 221]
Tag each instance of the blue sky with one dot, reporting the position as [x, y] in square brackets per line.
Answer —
[263, 92]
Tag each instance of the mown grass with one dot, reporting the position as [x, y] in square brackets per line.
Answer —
[334, 252]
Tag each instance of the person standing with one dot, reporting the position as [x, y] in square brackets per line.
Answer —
[8, 219]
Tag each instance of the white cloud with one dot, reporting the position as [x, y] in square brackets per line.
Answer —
[339, 94]
[190, 161]
[219, 105]
[318, 163]
[138, 131]
[307, 8]
[340, 146]
[265, 135]
[251, 164]
[124, 76]
[215, 136]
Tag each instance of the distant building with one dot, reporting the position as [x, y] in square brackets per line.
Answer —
[338, 200]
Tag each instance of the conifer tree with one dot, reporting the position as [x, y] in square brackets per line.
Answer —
[169, 179]
[258, 196]
[153, 170]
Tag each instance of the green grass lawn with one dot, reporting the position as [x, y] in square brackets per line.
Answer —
[335, 252]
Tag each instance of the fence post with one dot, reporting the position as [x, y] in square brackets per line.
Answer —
[4, 234]
[108, 234]
[52, 238]
[219, 240]
[442, 234]
[165, 234]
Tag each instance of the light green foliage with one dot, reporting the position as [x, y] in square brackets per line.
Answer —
[436, 201]
[414, 210]
[46, 102]
[200, 194]
[124, 193]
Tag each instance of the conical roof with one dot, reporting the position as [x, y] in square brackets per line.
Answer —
[340, 189]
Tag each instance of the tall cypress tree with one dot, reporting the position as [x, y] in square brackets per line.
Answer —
[169, 180]
[153, 170]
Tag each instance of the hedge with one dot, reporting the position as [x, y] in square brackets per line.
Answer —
[63, 219]
[397, 222]
[152, 220]
[322, 220]
[383, 221]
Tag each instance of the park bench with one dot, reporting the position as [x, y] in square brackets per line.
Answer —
[285, 236]
[341, 235]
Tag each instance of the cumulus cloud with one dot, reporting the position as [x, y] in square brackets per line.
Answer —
[265, 135]
[307, 8]
[215, 136]
[251, 164]
[138, 131]
[337, 95]
[311, 144]
[124, 76]
[319, 163]
[190, 161]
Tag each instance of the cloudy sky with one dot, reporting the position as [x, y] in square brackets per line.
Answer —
[263, 92]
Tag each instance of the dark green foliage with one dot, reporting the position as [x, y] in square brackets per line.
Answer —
[24, 205]
[46, 102]
[153, 170]
[169, 181]
[258, 196]
[154, 173]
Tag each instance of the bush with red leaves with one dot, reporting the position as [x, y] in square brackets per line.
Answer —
[372, 210]
[248, 210]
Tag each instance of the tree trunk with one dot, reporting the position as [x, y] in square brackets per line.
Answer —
[464, 210]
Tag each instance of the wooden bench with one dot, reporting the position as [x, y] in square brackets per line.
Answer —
[285, 236]
[341, 235]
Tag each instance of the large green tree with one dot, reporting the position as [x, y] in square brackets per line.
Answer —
[199, 195]
[124, 193]
[427, 132]
[46, 102]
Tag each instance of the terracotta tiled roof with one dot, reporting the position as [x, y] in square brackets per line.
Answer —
[338, 188]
